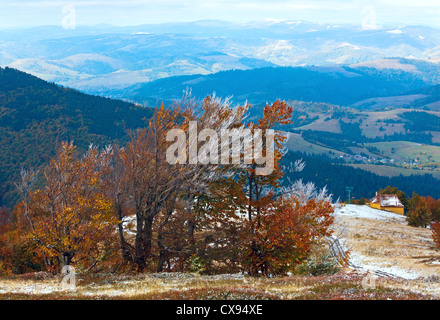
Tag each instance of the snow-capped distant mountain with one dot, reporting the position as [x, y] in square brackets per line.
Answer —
[95, 59]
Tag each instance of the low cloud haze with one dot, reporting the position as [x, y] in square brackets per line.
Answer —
[28, 13]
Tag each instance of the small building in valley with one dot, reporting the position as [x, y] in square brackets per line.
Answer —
[387, 202]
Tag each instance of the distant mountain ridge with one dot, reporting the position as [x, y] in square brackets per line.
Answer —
[340, 85]
[35, 116]
[101, 58]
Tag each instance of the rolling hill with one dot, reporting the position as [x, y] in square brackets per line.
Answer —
[95, 59]
[331, 84]
[324, 171]
[36, 115]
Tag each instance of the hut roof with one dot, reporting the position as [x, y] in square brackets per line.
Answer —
[387, 200]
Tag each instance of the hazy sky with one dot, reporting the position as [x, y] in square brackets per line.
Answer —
[25, 13]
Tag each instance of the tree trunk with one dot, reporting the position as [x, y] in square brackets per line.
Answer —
[162, 260]
[139, 254]
[67, 257]
[148, 235]
[126, 254]
[162, 250]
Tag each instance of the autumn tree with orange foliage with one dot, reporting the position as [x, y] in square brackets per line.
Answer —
[436, 233]
[255, 184]
[288, 231]
[259, 188]
[434, 208]
[133, 209]
[70, 213]
[267, 231]
[154, 187]
[14, 257]
[5, 243]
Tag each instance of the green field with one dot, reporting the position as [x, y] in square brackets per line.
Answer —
[405, 151]
[373, 124]
[389, 171]
[296, 143]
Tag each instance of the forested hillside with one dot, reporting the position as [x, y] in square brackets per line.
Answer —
[326, 172]
[335, 84]
[35, 116]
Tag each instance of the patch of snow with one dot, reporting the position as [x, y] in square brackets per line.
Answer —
[295, 22]
[387, 200]
[366, 212]
[396, 31]
[360, 262]
[29, 287]
[346, 44]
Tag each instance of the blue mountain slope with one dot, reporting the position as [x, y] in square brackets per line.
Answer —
[336, 85]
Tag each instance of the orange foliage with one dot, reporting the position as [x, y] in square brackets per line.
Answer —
[14, 257]
[436, 233]
[70, 212]
[287, 232]
[214, 216]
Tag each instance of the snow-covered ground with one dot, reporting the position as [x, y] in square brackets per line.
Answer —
[364, 264]
[366, 212]
[370, 263]
[31, 287]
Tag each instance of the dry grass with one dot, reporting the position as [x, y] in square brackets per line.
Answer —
[394, 247]
[390, 245]
[393, 244]
[391, 171]
[222, 287]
